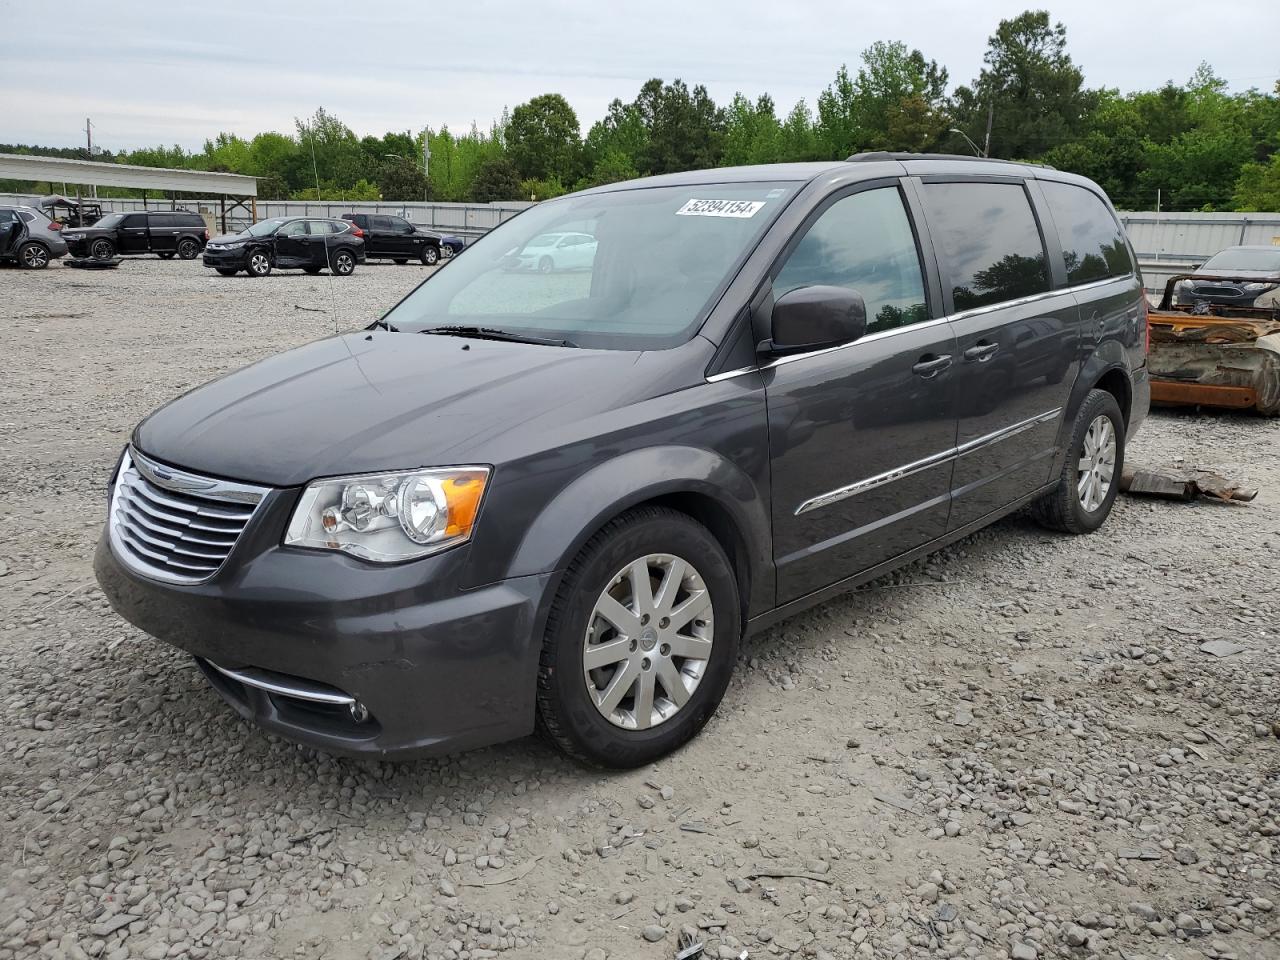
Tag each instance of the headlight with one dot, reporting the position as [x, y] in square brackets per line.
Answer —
[1257, 287]
[389, 517]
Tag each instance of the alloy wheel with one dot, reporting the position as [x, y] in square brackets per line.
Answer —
[343, 263]
[102, 250]
[259, 263]
[1097, 463]
[35, 257]
[648, 642]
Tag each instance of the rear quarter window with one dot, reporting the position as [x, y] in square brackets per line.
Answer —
[1093, 245]
[988, 242]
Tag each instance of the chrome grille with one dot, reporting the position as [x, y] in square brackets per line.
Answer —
[173, 525]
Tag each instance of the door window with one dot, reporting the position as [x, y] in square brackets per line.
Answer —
[400, 225]
[296, 228]
[1093, 245]
[863, 242]
[320, 228]
[135, 221]
[382, 223]
[989, 245]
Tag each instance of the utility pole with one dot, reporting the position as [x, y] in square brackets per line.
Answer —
[991, 111]
[88, 134]
[426, 159]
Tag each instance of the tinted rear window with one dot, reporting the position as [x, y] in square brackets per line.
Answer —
[162, 220]
[988, 243]
[1092, 243]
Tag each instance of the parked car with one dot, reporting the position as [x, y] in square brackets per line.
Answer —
[395, 238]
[567, 497]
[288, 243]
[554, 251]
[29, 238]
[1234, 277]
[168, 234]
[451, 245]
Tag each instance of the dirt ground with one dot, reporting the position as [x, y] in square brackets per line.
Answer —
[1016, 749]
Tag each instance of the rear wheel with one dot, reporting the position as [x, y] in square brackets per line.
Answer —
[343, 263]
[1090, 478]
[641, 640]
[102, 249]
[430, 255]
[188, 249]
[33, 256]
[546, 265]
[227, 271]
[259, 263]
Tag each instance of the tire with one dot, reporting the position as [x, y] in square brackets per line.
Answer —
[400, 261]
[568, 694]
[1077, 505]
[343, 263]
[430, 255]
[33, 256]
[259, 263]
[102, 249]
[165, 256]
[227, 271]
[546, 265]
[188, 249]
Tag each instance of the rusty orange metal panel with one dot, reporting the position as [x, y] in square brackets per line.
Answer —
[1202, 394]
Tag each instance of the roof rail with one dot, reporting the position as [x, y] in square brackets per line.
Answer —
[873, 155]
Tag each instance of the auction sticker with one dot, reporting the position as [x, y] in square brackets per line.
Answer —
[720, 208]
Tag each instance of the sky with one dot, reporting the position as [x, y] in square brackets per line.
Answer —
[177, 72]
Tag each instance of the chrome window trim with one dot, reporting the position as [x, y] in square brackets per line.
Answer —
[924, 324]
[917, 466]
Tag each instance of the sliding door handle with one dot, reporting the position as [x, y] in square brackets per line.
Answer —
[929, 366]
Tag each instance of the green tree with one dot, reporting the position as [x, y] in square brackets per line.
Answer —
[1030, 88]
[496, 179]
[1258, 186]
[543, 138]
[838, 131]
[899, 99]
[402, 179]
[752, 133]
[798, 140]
[685, 128]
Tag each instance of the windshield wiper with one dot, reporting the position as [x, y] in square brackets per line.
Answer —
[492, 333]
[384, 325]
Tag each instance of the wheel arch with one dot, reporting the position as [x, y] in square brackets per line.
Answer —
[696, 482]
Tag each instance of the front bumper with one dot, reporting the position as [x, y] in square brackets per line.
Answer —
[226, 259]
[437, 668]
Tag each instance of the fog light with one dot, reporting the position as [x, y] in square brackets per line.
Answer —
[359, 712]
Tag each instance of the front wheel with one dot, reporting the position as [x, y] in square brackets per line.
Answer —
[188, 249]
[344, 263]
[546, 265]
[102, 249]
[33, 256]
[259, 263]
[430, 255]
[1090, 478]
[641, 640]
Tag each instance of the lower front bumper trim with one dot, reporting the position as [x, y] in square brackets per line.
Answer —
[281, 685]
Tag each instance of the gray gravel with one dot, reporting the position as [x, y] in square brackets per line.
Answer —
[1016, 749]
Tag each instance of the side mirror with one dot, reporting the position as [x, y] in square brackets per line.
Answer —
[811, 318]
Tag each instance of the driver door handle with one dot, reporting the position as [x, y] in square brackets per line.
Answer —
[929, 366]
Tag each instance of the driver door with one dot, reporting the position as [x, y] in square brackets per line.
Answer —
[132, 234]
[862, 436]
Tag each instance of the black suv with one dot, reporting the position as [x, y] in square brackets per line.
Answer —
[288, 243]
[172, 234]
[395, 238]
[567, 496]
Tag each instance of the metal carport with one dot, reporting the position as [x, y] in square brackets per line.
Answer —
[240, 190]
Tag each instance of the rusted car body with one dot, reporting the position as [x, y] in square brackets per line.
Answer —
[1216, 356]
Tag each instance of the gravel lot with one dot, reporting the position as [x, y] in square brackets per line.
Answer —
[1016, 749]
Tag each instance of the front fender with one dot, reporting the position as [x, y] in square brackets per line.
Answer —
[610, 488]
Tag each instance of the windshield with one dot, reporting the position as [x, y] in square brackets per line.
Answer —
[1242, 258]
[263, 227]
[631, 269]
[110, 220]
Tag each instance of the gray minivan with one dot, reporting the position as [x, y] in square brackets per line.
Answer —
[560, 499]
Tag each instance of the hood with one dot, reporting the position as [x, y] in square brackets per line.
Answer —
[229, 238]
[1245, 276]
[374, 401]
